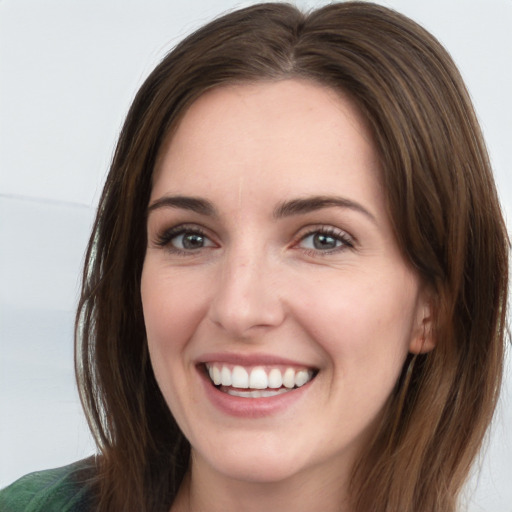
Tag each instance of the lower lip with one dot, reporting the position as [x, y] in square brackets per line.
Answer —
[251, 407]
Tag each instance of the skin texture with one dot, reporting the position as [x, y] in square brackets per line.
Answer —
[257, 285]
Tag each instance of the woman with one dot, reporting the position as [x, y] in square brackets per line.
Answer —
[294, 292]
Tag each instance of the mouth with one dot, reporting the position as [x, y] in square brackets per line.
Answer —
[257, 381]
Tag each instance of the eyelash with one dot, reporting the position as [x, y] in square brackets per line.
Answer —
[346, 242]
[165, 238]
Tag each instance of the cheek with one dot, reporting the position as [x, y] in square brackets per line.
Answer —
[363, 325]
[172, 307]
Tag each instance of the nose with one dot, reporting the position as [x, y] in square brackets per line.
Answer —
[248, 298]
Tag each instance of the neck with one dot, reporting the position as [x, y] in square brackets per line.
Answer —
[205, 490]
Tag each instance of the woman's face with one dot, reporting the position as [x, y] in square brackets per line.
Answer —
[271, 263]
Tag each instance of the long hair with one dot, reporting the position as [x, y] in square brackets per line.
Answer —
[445, 213]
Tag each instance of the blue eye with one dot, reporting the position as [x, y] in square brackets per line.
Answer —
[325, 241]
[183, 239]
[321, 242]
[190, 241]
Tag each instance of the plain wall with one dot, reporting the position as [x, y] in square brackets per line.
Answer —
[68, 71]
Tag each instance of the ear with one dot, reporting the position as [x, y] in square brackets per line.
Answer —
[423, 339]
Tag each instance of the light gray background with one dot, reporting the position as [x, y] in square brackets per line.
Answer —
[68, 71]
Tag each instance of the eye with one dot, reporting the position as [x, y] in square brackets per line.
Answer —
[325, 240]
[190, 241]
[183, 239]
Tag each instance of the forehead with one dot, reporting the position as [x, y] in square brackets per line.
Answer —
[294, 133]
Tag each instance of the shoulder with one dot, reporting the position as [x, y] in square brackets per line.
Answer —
[65, 489]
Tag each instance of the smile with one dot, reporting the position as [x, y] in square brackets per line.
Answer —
[258, 381]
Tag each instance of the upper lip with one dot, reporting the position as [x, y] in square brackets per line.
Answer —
[250, 359]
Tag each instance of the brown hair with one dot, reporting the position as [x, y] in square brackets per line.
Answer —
[444, 208]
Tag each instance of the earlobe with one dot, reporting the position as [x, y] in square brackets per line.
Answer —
[424, 341]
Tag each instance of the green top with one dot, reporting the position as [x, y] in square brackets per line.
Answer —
[66, 489]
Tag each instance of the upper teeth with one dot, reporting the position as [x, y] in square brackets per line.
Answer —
[257, 377]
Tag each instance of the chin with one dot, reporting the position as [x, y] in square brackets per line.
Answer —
[259, 470]
[253, 458]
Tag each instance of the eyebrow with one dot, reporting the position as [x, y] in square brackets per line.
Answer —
[309, 204]
[299, 206]
[194, 204]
